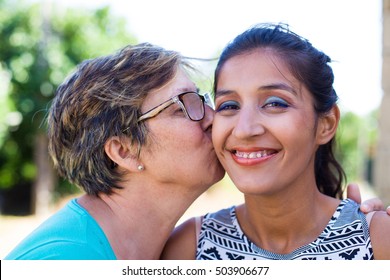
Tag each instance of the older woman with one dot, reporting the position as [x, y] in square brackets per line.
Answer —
[133, 132]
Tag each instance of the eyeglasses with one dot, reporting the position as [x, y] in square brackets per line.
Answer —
[190, 102]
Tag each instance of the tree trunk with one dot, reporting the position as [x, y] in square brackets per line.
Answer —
[45, 181]
[382, 161]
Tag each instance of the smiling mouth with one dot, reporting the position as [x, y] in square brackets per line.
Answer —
[253, 155]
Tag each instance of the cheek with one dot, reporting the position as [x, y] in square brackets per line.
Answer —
[183, 141]
[175, 148]
[218, 133]
[299, 135]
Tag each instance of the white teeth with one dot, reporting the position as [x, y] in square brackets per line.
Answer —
[251, 155]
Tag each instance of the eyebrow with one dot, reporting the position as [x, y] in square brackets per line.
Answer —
[280, 86]
[187, 89]
[223, 92]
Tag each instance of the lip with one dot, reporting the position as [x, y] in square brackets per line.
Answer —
[252, 156]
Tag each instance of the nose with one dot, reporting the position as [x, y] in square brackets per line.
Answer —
[248, 124]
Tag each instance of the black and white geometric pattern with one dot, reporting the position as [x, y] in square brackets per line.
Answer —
[346, 237]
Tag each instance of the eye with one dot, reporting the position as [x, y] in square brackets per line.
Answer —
[275, 102]
[177, 110]
[227, 105]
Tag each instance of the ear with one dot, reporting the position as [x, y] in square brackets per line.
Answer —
[327, 125]
[122, 153]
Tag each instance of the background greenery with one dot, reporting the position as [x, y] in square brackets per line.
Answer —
[40, 45]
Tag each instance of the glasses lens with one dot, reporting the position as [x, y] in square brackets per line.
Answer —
[194, 106]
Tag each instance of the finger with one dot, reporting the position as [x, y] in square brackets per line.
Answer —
[353, 192]
[366, 207]
[373, 204]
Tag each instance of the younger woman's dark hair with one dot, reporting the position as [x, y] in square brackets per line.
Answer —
[309, 66]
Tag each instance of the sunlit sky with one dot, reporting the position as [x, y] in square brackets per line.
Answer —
[349, 31]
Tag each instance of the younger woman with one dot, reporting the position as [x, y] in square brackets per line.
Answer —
[274, 132]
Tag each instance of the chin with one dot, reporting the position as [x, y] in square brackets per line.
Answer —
[253, 188]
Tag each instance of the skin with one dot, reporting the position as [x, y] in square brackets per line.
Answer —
[153, 200]
[267, 115]
[272, 116]
[185, 141]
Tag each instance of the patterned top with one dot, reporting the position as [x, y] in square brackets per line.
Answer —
[346, 237]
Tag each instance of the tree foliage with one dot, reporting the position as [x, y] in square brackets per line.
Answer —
[40, 46]
[356, 138]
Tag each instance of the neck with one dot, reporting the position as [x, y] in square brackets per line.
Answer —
[138, 221]
[282, 224]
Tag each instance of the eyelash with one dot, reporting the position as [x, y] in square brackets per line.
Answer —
[228, 105]
[275, 102]
[272, 102]
[178, 110]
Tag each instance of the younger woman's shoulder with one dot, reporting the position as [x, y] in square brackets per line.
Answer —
[380, 235]
[181, 245]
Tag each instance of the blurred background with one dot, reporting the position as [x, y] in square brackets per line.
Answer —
[41, 42]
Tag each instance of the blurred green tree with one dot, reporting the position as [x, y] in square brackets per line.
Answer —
[356, 138]
[41, 44]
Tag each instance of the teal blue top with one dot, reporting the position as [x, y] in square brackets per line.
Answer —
[70, 234]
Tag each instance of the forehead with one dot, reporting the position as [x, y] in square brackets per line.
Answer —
[253, 69]
[181, 82]
[260, 71]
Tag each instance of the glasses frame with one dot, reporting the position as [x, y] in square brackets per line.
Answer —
[175, 99]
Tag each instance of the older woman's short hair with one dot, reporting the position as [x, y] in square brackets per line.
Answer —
[101, 99]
